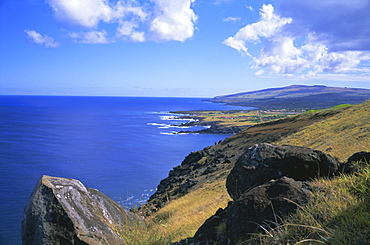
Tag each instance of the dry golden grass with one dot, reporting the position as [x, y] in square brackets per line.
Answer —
[179, 219]
[340, 136]
[186, 214]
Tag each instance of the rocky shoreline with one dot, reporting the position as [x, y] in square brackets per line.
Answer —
[210, 127]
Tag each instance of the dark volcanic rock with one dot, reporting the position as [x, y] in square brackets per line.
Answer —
[355, 161]
[264, 162]
[63, 211]
[363, 156]
[262, 206]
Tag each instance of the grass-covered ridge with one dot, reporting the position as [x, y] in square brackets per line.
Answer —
[339, 213]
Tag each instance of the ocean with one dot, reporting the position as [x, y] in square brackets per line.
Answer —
[122, 146]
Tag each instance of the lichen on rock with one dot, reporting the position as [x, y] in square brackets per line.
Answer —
[64, 211]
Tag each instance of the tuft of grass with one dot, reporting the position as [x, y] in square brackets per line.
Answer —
[190, 211]
[339, 213]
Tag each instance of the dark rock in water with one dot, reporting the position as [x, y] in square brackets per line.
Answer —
[262, 206]
[63, 211]
[264, 162]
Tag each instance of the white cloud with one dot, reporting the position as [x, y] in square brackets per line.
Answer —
[269, 25]
[297, 47]
[231, 19]
[81, 12]
[90, 37]
[127, 30]
[281, 56]
[160, 20]
[174, 20]
[45, 40]
[249, 7]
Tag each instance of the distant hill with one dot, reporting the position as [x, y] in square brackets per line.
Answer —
[299, 97]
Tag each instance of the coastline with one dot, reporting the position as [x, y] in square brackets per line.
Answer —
[228, 122]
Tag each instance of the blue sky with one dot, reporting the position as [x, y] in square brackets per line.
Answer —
[181, 48]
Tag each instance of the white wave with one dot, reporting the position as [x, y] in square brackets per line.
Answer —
[156, 124]
[170, 118]
[162, 125]
[169, 133]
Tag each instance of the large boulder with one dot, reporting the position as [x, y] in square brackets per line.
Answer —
[362, 156]
[261, 208]
[264, 206]
[63, 211]
[264, 162]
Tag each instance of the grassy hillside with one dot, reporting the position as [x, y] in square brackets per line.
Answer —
[339, 132]
[340, 136]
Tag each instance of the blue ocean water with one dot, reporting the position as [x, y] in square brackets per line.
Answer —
[122, 146]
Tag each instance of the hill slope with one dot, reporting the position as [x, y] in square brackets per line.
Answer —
[196, 188]
[215, 162]
[297, 97]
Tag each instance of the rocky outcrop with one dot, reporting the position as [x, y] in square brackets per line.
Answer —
[267, 183]
[264, 206]
[64, 211]
[264, 162]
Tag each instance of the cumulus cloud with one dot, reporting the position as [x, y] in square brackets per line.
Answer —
[90, 37]
[301, 43]
[127, 30]
[45, 40]
[269, 25]
[160, 20]
[84, 13]
[174, 20]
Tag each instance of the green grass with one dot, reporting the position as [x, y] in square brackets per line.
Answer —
[335, 107]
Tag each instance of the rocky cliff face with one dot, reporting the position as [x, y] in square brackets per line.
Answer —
[64, 211]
